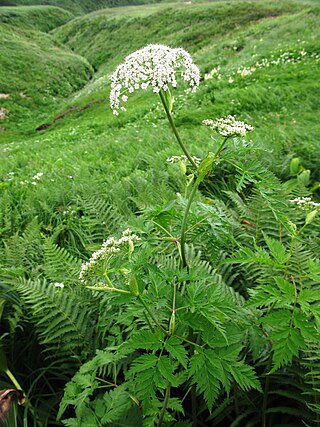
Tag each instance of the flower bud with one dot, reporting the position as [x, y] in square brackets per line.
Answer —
[133, 285]
[311, 216]
[172, 323]
[295, 166]
[304, 177]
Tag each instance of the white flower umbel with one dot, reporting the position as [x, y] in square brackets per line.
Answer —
[228, 126]
[156, 66]
[305, 203]
[108, 248]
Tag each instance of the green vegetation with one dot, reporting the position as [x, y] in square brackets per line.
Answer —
[42, 18]
[241, 278]
[79, 7]
[36, 72]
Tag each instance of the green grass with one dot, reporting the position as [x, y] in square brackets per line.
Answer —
[42, 18]
[217, 34]
[77, 7]
[91, 154]
[280, 99]
[36, 73]
[262, 60]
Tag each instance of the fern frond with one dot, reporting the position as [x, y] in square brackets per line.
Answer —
[99, 217]
[62, 319]
[26, 251]
[59, 264]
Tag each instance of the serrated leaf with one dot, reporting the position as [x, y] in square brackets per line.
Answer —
[176, 405]
[145, 340]
[144, 362]
[244, 376]
[307, 328]
[287, 343]
[166, 369]
[247, 256]
[177, 351]
[279, 318]
[205, 375]
[286, 288]
[277, 249]
[114, 404]
[263, 296]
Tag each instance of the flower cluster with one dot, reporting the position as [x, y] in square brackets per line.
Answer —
[246, 71]
[154, 65]
[37, 178]
[183, 158]
[214, 72]
[305, 203]
[282, 58]
[108, 248]
[228, 126]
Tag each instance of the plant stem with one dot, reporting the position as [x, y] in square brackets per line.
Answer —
[13, 379]
[175, 130]
[18, 386]
[107, 289]
[221, 146]
[151, 315]
[186, 213]
[164, 407]
[193, 387]
[184, 225]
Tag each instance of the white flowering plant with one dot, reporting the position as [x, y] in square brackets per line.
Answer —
[155, 66]
[180, 331]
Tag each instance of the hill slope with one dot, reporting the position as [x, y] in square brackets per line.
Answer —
[245, 50]
[42, 18]
[77, 7]
[36, 71]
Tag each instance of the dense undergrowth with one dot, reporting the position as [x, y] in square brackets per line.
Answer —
[244, 349]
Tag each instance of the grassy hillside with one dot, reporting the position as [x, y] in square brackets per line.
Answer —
[42, 18]
[36, 71]
[246, 50]
[187, 25]
[77, 7]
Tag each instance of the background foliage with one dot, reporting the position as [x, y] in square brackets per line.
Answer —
[85, 175]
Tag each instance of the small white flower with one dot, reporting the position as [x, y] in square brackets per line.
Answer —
[228, 126]
[58, 285]
[155, 65]
[37, 176]
[107, 250]
[305, 203]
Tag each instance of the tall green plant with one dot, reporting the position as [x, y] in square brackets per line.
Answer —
[177, 335]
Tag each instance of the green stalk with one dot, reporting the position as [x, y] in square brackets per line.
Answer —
[13, 379]
[164, 407]
[107, 289]
[184, 225]
[175, 130]
[186, 213]
[151, 314]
